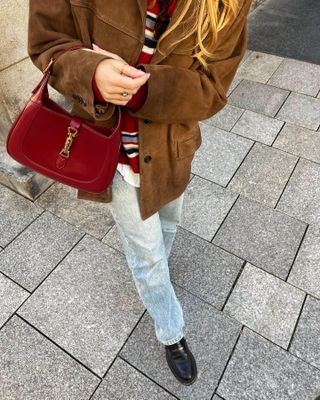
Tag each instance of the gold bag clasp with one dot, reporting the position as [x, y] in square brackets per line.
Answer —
[71, 134]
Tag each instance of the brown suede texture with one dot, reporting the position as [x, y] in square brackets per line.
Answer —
[180, 91]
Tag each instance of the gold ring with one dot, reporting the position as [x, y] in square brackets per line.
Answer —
[124, 94]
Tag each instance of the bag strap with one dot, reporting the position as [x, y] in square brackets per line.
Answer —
[41, 90]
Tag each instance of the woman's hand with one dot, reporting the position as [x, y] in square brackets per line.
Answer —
[114, 76]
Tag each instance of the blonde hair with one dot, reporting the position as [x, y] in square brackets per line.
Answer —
[207, 18]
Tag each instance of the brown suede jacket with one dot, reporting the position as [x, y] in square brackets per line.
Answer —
[180, 91]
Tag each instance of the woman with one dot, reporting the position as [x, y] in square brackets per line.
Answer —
[168, 64]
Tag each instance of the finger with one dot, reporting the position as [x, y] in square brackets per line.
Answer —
[119, 102]
[118, 90]
[127, 83]
[132, 72]
[118, 96]
[98, 49]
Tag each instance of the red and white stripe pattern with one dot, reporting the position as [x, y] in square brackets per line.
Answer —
[129, 126]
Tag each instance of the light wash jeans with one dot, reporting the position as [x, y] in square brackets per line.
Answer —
[147, 245]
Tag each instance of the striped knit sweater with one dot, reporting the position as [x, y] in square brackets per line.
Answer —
[128, 164]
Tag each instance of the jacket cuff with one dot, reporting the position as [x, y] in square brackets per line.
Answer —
[139, 98]
[72, 76]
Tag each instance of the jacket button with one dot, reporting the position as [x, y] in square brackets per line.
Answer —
[147, 158]
[147, 121]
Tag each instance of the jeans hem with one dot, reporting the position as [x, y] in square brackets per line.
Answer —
[172, 341]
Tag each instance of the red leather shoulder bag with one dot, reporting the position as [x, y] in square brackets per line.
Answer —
[61, 146]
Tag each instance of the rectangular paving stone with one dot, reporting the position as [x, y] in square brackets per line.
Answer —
[88, 305]
[33, 368]
[263, 236]
[11, 297]
[301, 197]
[263, 174]
[301, 110]
[258, 97]
[205, 206]
[112, 239]
[16, 213]
[299, 141]
[261, 370]
[220, 154]
[91, 216]
[32, 256]
[265, 304]
[258, 127]
[202, 268]
[211, 336]
[20, 179]
[225, 118]
[15, 15]
[306, 340]
[297, 76]
[17, 91]
[5, 122]
[233, 85]
[305, 272]
[259, 67]
[124, 382]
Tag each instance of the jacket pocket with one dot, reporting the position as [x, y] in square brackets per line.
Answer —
[187, 147]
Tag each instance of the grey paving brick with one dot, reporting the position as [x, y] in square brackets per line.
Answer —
[202, 268]
[301, 197]
[15, 33]
[32, 256]
[233, 85]
[306, 341]
[16, 213]
[258, 127]
[258, 97]
[297, 76]
[216, 397]
[299, 141]
[261, 235]
[112, 239]
[263, 174]
[91, 216]
[211, 342]
[205, 207]
[259, 67]
[11, 297]
[33, 368]
[17, 91]
[265, 304]
[124, 382]
[225, 118]
[301, 110]
[88, 305]
[261, 370]
[305, 272]
[220, 154]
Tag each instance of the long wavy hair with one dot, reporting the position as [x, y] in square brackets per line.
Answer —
[207, 18]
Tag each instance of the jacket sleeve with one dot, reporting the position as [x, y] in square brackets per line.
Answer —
[177, 94]
[51, 29]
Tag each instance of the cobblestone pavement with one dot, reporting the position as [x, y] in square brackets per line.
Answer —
[245, 266]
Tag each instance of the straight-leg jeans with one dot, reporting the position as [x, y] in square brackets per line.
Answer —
[147, 245]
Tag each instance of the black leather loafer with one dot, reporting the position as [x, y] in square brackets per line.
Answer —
[181, 362]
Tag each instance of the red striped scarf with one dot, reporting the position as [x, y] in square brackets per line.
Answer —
[129, 126]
